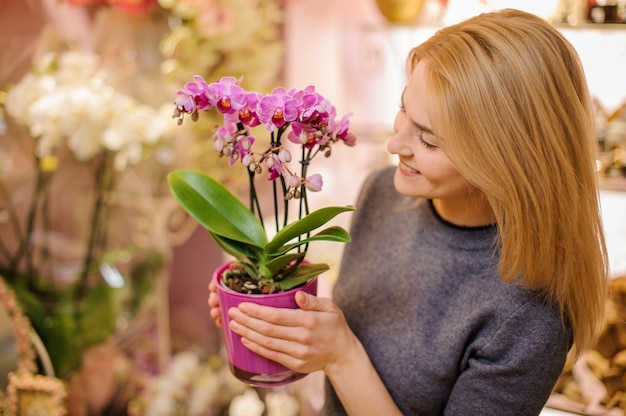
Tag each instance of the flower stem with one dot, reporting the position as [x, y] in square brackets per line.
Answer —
[13, 218]
[255, 206]
[97, 236]
[277, 145]
[45, 246]
[40, 189]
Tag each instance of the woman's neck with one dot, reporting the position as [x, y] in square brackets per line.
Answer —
[466, 212]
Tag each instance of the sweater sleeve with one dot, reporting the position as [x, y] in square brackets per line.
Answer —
[509, 377]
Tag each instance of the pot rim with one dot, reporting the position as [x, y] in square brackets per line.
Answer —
[217, 278]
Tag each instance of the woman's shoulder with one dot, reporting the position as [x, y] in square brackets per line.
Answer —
[523, 310]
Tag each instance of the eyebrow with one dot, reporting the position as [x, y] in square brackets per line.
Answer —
[419, 126]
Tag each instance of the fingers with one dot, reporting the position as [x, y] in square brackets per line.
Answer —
[310, 302]
[214, 300]
[306, 339]
[217, 317]
[284, 344]
[271, 322]
[214, 304]
[288, 359]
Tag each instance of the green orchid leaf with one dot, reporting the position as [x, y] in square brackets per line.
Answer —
[216, 208]
[241, 251]
[278, 263]
[302, 274]
[333, 234]
[304, 226]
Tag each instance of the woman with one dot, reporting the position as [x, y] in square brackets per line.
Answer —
[468, 299]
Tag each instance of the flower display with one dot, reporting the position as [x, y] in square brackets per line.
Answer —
[87, 222]
[70, 238]
[67, 101]
[218, 38]
[193, 386]
[300, 118]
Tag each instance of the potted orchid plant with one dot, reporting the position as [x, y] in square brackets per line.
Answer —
[264, 267]
[307, 119]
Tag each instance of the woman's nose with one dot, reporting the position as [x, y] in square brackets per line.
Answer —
[397, 143]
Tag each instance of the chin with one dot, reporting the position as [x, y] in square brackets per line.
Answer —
[408, 186]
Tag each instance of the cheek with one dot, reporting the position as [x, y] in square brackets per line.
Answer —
[438, 168]
[455, 183]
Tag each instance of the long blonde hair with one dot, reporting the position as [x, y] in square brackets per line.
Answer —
[510, 104]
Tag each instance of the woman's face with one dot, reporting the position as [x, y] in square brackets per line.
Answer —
[424, 170]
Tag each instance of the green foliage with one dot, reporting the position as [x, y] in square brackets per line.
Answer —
[238, 232]
[65, 327]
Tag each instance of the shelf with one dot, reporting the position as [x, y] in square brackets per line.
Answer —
[617, 183]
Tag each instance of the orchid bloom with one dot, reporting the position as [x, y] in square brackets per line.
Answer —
[314, 183]
[228, 95]
[248, 115]
[277, 109]
[340, 130]
[307, 118]
[198, 89]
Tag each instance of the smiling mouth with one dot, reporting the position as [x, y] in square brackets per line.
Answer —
[407, 169]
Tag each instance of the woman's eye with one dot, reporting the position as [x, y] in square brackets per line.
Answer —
[425, 143]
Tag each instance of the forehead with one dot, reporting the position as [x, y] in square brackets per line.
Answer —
[415, 96]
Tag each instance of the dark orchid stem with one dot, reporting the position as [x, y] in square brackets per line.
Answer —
[273, 142]
[304, 205]
[97, 238]
[255, 206]
[40, 188]
[13, 217]
[304, 201]
[283, 184]
[45, 246]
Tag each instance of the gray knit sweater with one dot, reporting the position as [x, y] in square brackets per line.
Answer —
[446, 335]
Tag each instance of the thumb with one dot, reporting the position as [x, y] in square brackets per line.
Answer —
[312, 303]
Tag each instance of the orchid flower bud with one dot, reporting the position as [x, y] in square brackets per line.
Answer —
[247, 159]
[314, 183]
[284, 156]
[294, 181]
[219, 144]
[245, 143]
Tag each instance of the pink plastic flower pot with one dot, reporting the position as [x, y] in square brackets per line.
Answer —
[246, 365]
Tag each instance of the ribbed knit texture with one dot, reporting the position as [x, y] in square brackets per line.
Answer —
[446, 335]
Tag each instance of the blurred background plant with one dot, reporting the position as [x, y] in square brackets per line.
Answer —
[192, 386]
[217, 38]
[72, 217]
[87, 223]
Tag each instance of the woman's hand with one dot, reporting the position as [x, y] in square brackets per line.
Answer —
[315, 337]
[214, 304]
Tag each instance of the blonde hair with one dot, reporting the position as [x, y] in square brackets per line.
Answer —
[511, 109]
